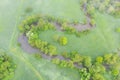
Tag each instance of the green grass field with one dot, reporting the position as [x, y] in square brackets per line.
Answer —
[102, 39]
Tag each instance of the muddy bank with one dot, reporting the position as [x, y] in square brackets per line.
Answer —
[22, 39]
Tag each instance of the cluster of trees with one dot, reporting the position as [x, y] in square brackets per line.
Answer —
[26, 24]
[68, 29]
[71, 30]
[7, 67]
[92, 69]
[109, 6]
[84, 75]
[45, 25]
[35, 41]
[36, 21]
[44, 46]
[63, 63]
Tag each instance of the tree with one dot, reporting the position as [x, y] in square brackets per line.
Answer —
[97, 68]
[6, 67]
[63, 63]
[99, 59]
[77, 59]
[115, 69]
[63, 40]
[70, 64]
[107, 58]
[87, 61]
[84, 74]
[52, 50]
[97, 76]
[115, 72]
[111, 58]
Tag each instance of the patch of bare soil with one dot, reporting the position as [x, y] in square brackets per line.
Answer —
[82, 27]
[25, 45]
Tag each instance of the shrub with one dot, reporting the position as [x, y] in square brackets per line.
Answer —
[7, 67]
[84, 74]
[63, 40]
[99, 59]
[87, 61]
[98, 76]
[92, 22]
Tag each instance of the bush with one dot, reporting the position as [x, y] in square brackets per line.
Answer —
[87, 61]
[84, 74]
[98, 76]
[92, 22]
[63, 40]
[7, 67]
[99, 59]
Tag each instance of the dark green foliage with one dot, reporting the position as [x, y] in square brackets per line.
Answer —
[84, 74]
[7, 67]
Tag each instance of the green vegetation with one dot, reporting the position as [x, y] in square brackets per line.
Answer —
[7, 67]
[89, 44]
[34, 31]
[63, 40]
[109, 6]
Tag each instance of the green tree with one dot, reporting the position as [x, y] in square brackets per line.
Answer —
[63, 40]
[52, 50]
[98, 76]
[87, 61]
[84, 74]
[99, 59]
